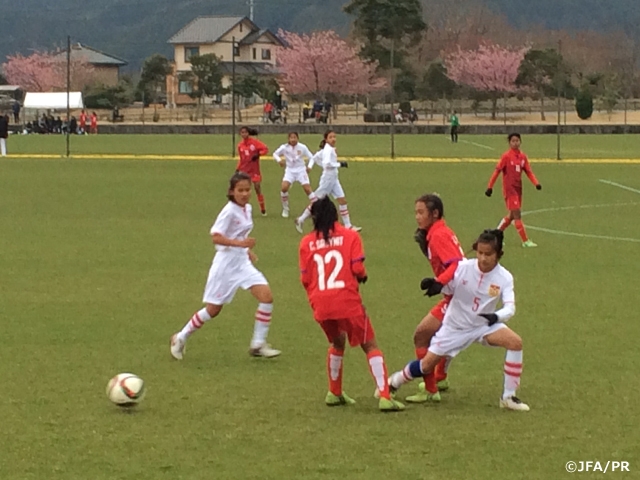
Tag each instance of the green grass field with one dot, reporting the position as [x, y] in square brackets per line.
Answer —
[103, 260]
[438, 146]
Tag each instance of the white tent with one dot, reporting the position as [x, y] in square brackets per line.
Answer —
[53, 101]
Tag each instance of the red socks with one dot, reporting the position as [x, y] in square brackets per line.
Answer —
[430, 383]
[261, 202]
[521, 231]
[379, 372]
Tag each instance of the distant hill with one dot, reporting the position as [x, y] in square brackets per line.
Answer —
[134, 29]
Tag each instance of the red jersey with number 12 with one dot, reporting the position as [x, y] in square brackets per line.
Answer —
[329, 271]
[511, 165]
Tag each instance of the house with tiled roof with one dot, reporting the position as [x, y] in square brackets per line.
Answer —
[105, 67]
[255, 51]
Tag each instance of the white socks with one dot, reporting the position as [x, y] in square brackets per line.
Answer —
[344, 213]
[263, 322]
[512, 372]
[195, 323]
[284, 197]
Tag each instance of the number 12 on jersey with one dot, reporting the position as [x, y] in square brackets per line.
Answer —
[329, 283]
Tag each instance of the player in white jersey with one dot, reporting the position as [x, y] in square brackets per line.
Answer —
[233, 268]
[291, 156]
[329, 181]
[472, 316]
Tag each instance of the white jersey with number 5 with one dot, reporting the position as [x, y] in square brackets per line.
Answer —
[475, 292]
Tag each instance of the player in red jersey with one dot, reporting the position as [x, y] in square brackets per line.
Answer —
[94, 123]
[83, 121]
[331, 265]
[512, 164]
[441, 246]
[249, 150]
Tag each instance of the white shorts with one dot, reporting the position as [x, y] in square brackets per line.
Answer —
[449, 342]
[293, 176]
[228, 273]
[329, 185]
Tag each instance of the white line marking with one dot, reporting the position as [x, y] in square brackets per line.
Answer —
[583, 235]
[575, 207]
[478, 145]
[608, 182]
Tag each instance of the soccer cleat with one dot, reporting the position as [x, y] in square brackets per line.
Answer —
[443, 385]
[177, 347]
[390, 405]
[355, 229]
[264, 351]
[392, 392]
[264, 213]
[338, 400]
[285, 213]
[423, 396]
[514, 403]
[529, 244]
[298, 226]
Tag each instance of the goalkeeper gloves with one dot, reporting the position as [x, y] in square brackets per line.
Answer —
[344, 165]
[489, 192]
[363, 279]
[492, 318]
[431, 286]
[538, 187]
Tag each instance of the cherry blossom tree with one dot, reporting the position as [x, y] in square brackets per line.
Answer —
[490, 68]
[324, 64]
[46, 72]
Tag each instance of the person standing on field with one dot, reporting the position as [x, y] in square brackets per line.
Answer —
[250, 149]
[511, 165]
[233, 268]
[4, 134]
[94, 123]
[477, 288]
[290, 156]
[83, 121]
[455, 124]
[331, 262]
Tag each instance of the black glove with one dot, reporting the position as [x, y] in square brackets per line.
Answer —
[538, 187]
[431, 286]
[255, 158]
[489, 192]
[492, 318]
[421, 238]
[363, 279]
[344, 165]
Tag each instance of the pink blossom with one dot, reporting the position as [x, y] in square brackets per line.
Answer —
[323, 63]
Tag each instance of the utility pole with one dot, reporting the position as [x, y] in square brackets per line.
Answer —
[251, 8]
[393, 85]
[68, 94]
[560, 80]
[233, 95]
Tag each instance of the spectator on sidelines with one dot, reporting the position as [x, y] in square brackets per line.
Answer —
[4, 133]
[15, 108]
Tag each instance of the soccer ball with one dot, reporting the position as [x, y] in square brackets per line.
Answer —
[126, 390]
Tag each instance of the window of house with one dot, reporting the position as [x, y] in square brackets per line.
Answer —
[236, 51]
[185, 86]
[240, 28]
[266, 54]
[190, 52]
[255, 53]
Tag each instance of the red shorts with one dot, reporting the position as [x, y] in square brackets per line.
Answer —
[256, 178]
[358, 329]
[514, 202]
[441, 308]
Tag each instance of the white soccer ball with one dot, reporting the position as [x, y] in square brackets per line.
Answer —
[126, 390]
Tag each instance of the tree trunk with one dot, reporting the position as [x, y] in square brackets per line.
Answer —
[494, 106]
[542, 115]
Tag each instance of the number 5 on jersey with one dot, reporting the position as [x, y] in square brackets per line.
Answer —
[330, 283]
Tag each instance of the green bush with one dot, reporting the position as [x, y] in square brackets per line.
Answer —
[584, 104]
